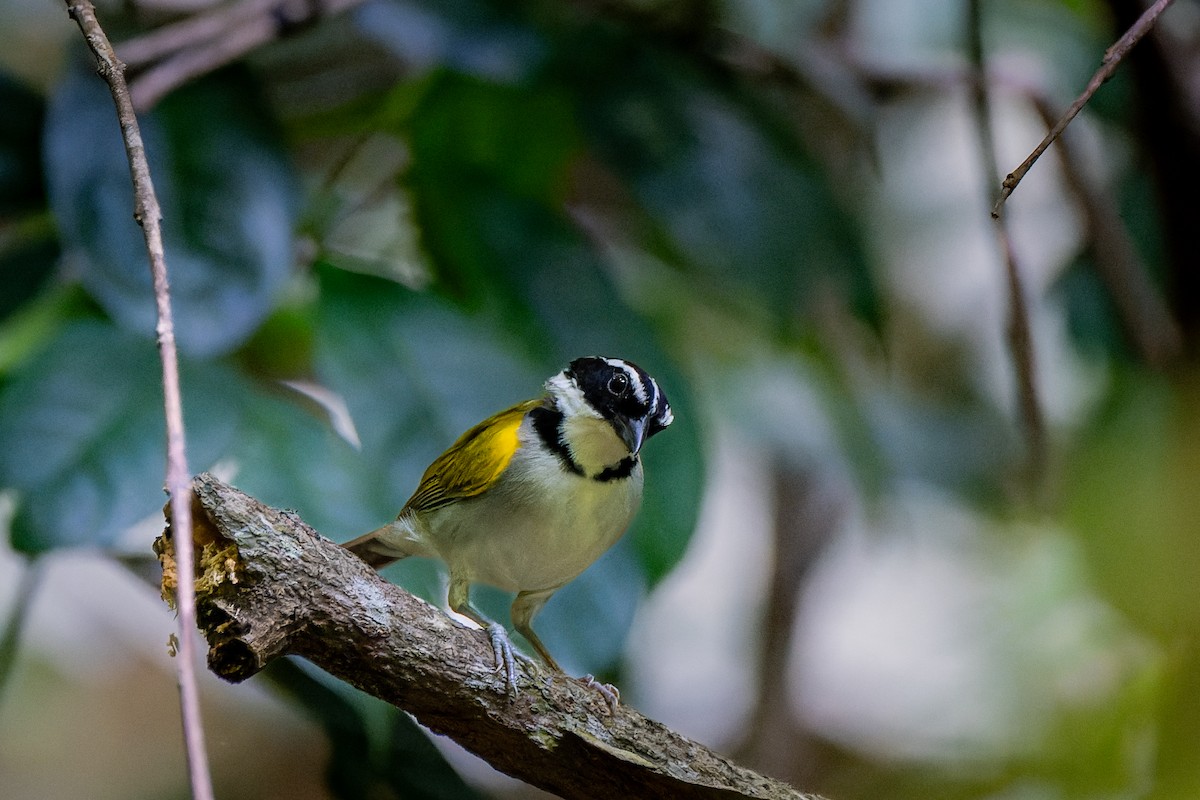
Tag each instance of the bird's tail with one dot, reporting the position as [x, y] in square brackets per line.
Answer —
[385, 545]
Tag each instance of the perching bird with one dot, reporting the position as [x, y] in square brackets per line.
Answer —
[530, 497]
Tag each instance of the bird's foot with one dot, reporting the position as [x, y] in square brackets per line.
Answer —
[506, 656]
[610, 693]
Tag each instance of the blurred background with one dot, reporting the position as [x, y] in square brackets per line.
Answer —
[896, 544]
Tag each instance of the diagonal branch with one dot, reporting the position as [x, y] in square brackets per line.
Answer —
[268, 585]
[148, 215]
[1141, 309]
[1108, 65]
[174, 54]
[1143, 312]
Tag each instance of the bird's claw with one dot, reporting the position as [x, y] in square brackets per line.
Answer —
[505, 656]
[610, 693]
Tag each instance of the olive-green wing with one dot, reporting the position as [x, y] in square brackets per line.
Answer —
[473, 463]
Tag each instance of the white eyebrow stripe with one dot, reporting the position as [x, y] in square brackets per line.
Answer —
[639, 389]
[665, 414]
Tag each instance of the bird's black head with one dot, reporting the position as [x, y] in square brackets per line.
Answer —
[624, 394]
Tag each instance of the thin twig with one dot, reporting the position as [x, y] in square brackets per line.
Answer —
[206, 26]
[1108, 65]
[177, 53]
[149, 215]
[806, 514]
[10, 637]
[148, 88]
[1143, 312]
[1020, 341]
[1141, 309]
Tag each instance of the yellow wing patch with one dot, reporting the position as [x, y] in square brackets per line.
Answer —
[473, 463]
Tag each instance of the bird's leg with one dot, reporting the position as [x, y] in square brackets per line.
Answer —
[523, 609]
[502, 649]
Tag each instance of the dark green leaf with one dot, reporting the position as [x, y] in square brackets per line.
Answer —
[81, 436]
[479, 149]
[366, 758]
[586, 622]
[470, 36]
[1091, 314]
[20, 146]
[510, 137]
[227, 194]
[289, 457]
[729, 189]
[25, 269]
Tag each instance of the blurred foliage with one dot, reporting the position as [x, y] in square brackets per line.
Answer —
[225, 187]
[692, 185]
[377, 749]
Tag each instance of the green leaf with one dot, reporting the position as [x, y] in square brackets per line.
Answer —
[20, 147]
[288, 457]
[471, 36]
[26, 266]
[1130, 491]
[586, 622]
[480, 149]
[374, 747]
[727, 188]
[81, 439]
[227, 194]
[81, 436]
[514, 138]
[1092, 320]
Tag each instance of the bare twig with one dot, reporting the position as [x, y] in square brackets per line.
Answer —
[1020, 341]
[1144, 314]
[1108, 65]
[202, 28]
[807, 512]
[148, 215]
[175, 54]
[158, 81]
[269, 585]
[10, 637]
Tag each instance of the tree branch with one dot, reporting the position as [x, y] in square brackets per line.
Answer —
[1141, 309]
[174, 54]
[1108, 65]
[1144, 314]
[149, 216]
[268, 585]
[1020, 338]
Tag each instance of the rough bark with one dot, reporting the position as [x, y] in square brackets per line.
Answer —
[268, 585]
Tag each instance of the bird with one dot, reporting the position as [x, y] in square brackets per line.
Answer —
[531, 496]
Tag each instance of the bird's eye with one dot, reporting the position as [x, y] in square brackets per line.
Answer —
[618, 383]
